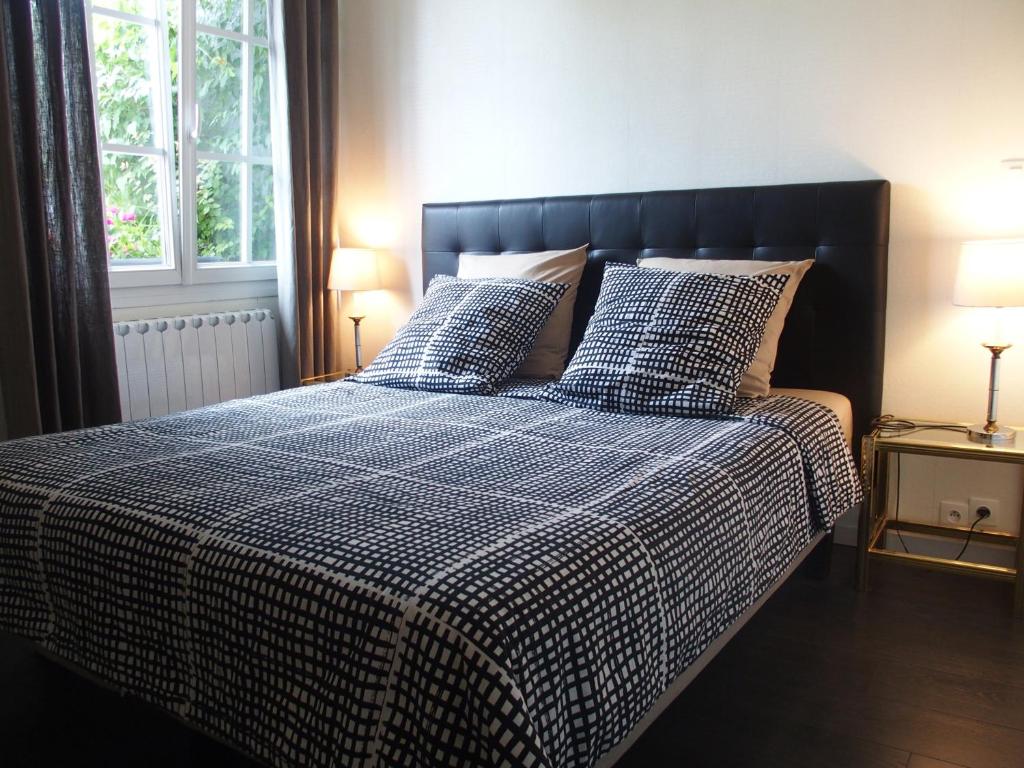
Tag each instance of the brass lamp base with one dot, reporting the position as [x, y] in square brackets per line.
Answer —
[359, 342]
[991, 434]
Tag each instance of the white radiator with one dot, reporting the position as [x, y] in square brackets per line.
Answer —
[177, 363]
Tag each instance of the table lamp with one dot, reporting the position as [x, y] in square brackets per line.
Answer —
[991, 274]
[355, 270]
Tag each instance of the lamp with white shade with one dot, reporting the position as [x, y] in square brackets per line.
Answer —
[991, 274]
[354, 270]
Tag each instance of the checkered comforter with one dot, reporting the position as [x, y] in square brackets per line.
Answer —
[352, 575]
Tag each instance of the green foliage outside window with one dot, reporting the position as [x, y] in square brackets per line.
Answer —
[126, 92]
[125, 117]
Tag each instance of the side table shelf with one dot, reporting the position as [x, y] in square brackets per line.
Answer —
[875, 523]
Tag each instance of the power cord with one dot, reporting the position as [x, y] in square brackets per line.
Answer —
[983, 512]
[899, 533]
[889, 424]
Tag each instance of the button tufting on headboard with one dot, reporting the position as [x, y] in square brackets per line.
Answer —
[834, 337]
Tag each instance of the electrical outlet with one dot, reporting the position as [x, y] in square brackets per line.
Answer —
[994, 506]
[953, 513]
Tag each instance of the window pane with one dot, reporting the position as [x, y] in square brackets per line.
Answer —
[124, 82]
[262, 248]
[218, 225]
[173, 22]
[132, 209]
[219, 91]
[260, 101]
[226, 14]
[138, 7]
[259, 18]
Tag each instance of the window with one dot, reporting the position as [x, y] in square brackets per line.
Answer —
[135, 125]
[183, 115]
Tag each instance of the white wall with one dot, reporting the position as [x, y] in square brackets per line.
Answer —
[171, 300]
[476, 99]
[175, 309]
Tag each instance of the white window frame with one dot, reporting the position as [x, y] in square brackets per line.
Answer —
[190, 117]
[181, 265]
[169, 272]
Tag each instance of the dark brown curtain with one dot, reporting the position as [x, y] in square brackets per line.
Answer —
[56, 342]
[306, 89]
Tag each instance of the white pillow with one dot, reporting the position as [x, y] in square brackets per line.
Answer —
[757, 380]
[547, 358]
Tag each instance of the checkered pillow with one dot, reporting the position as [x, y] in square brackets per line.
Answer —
[466, 336]
[668, 343]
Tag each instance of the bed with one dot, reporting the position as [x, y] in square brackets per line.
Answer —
[353, 575]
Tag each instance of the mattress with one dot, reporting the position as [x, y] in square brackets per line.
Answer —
[350, 575]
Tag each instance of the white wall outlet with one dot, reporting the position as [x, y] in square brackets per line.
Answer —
[953, 513]
[994, 506]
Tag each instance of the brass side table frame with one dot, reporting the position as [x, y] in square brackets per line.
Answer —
[326, 377]
[876, 450]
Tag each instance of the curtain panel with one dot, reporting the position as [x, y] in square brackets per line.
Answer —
[304, 87]
[57, 369]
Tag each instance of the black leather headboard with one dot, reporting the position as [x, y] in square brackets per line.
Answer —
[835, 333]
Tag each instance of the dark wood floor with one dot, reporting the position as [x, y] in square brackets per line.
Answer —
[924, 671]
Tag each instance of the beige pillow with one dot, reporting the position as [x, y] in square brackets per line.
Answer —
[757, 379]
[547, 358]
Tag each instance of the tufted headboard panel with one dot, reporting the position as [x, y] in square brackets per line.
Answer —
[835, 334]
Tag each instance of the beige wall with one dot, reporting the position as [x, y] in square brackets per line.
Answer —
[475, 99]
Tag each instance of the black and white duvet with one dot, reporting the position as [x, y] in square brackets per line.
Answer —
[352, 575]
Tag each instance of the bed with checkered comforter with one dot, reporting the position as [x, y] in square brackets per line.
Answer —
[352, 575]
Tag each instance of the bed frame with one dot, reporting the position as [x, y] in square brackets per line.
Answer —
[834, 338]
[688, 675]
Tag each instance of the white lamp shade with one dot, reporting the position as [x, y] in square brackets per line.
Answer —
[990, 274]
[353, 269]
